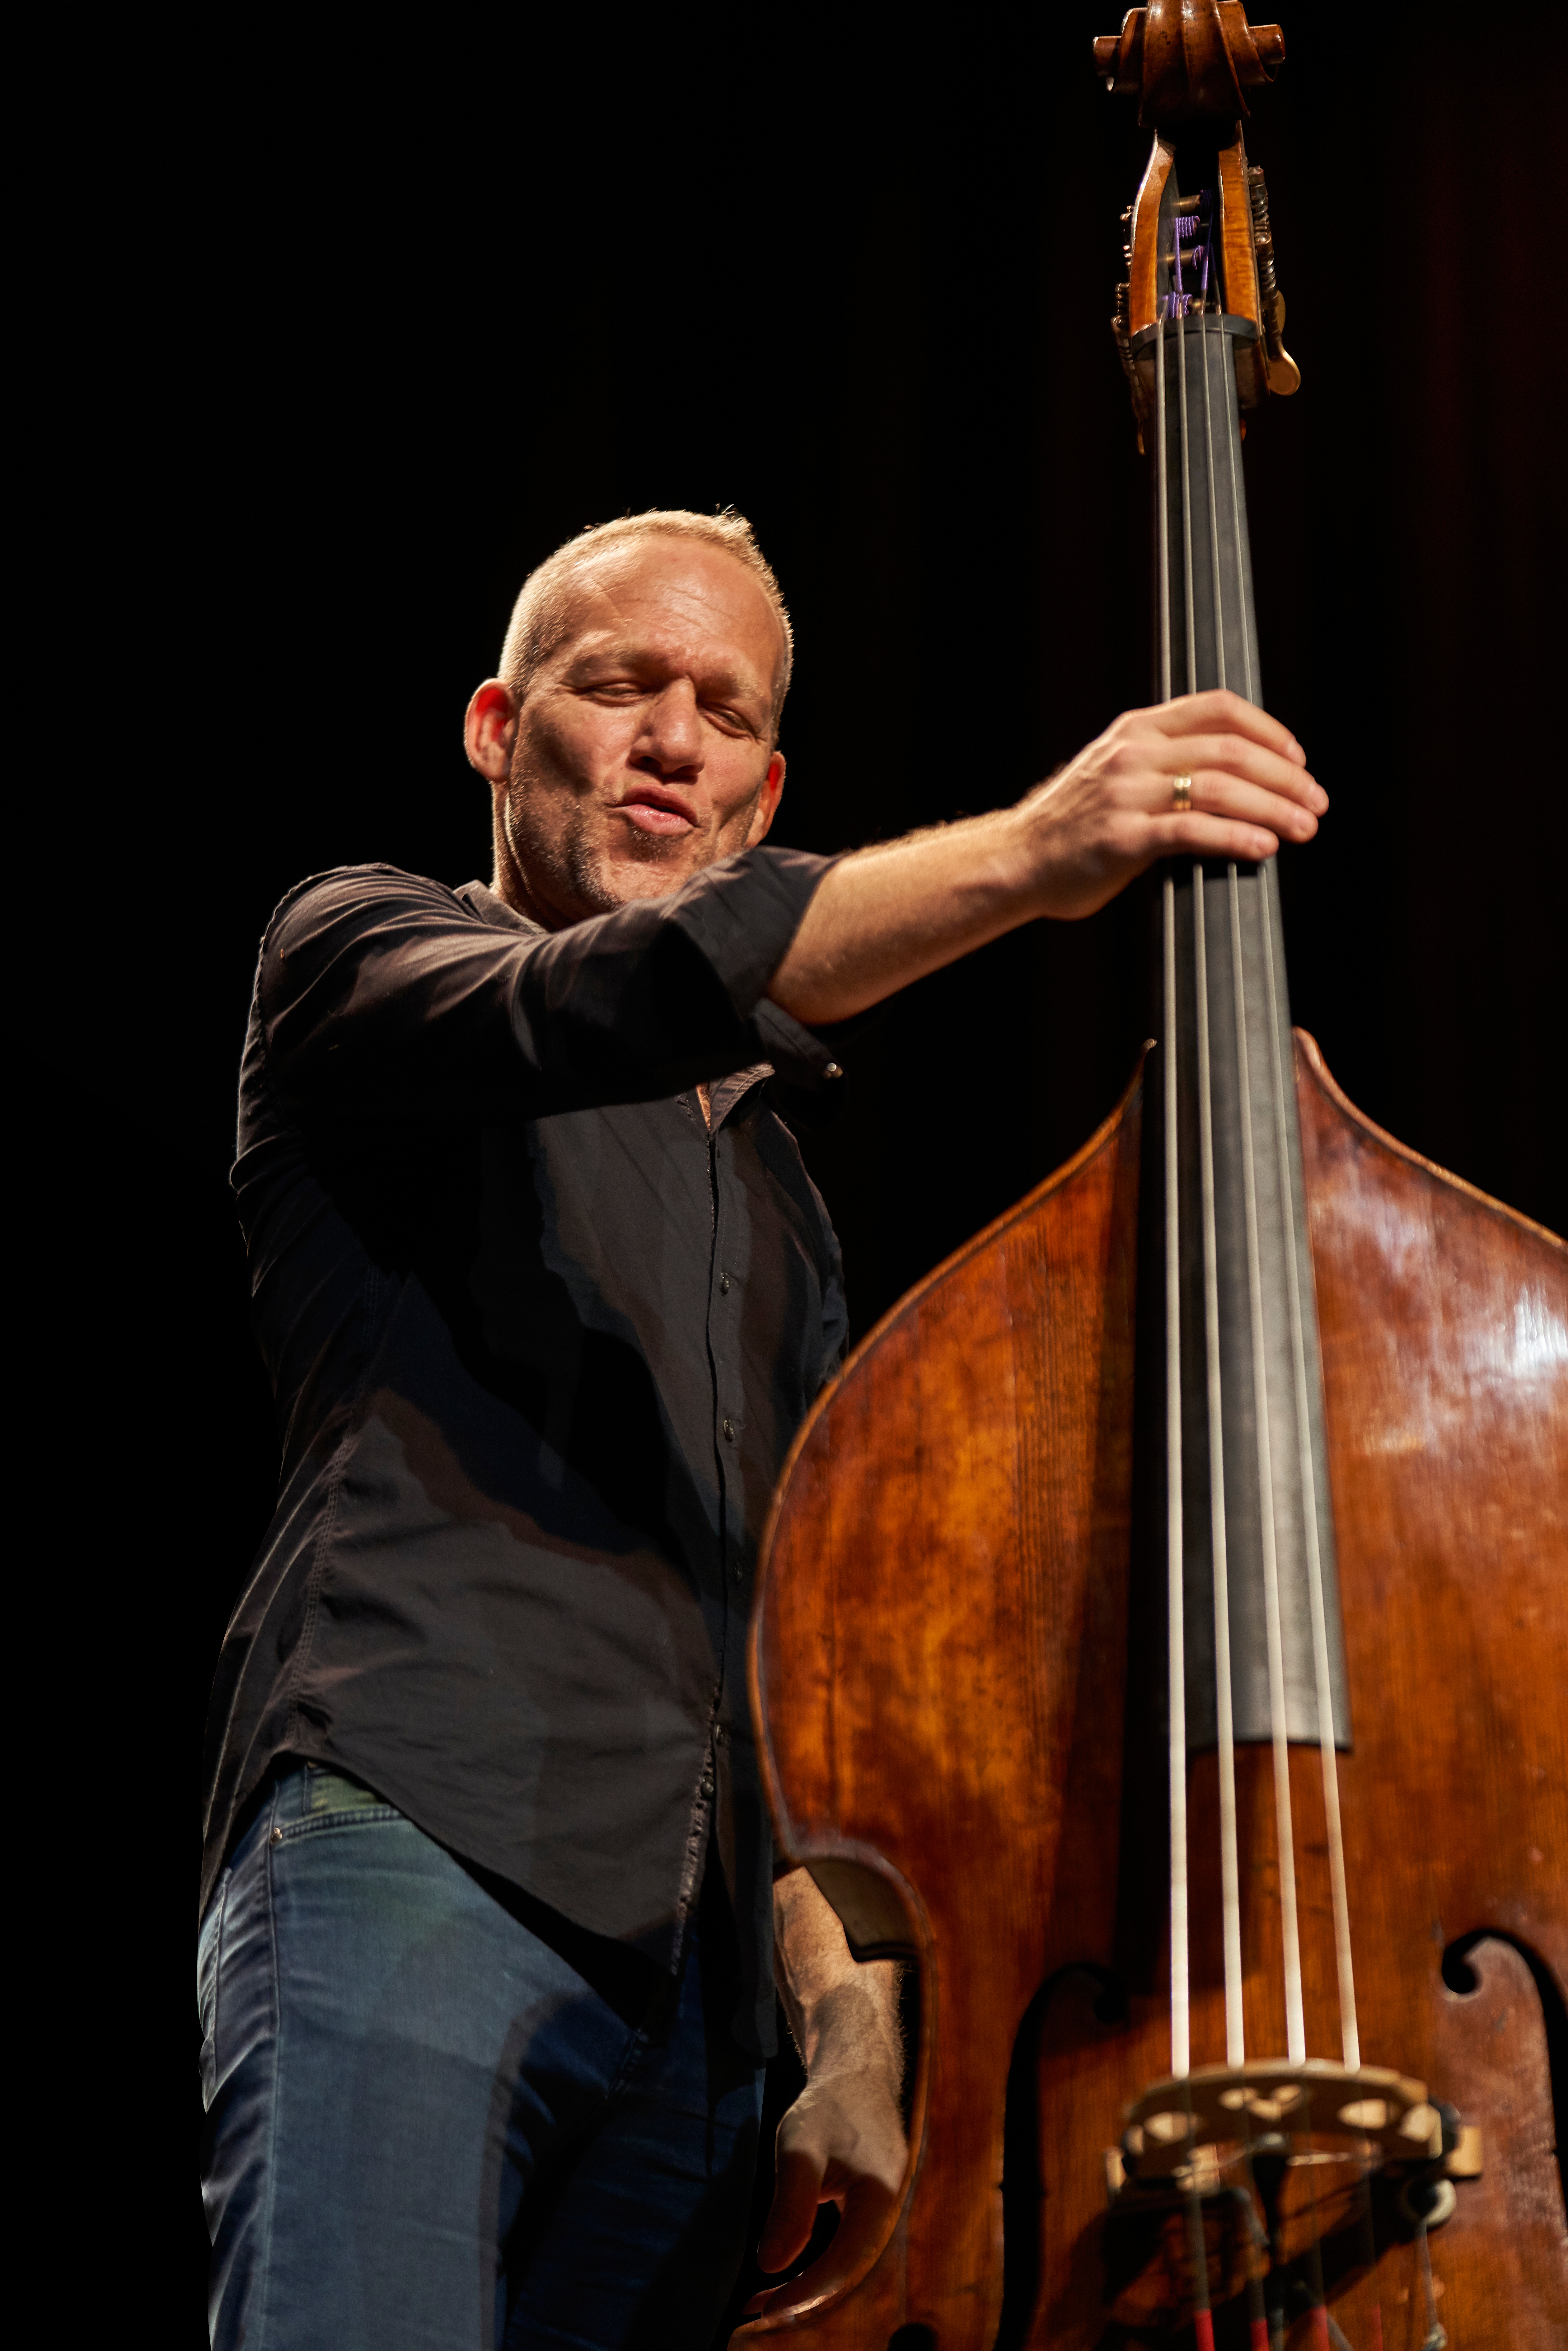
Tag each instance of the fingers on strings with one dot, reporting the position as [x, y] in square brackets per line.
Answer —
[1197, 835]
[1221, 711]
[1232, 755]
[1228, 798]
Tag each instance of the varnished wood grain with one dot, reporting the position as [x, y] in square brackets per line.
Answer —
[1188, 61]
[1240, 263]
[949, 1545]
[941, 1673]
[1144, 243]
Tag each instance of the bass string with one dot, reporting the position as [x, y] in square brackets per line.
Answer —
[1213, 514]
[1235, 2042]
[1294, 2008]
[1163, 501]
[1349, 2033]
[1180, 2010]
[1174, 1626]
[1279, 1041]
[1295, 2024]
[1261, 2336]
[1186, 494]
[1223, 1692]
[1229, 1864]
[1248, 684]
[1317, 2313]
[1230, 1892]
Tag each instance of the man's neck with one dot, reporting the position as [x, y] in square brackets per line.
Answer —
[510, 885]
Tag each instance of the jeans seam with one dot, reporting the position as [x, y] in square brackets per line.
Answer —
[276, 2077]
[356, 1816]
[636, 2050]
[225, 1882]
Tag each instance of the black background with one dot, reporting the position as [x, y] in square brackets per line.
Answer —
[337, 335]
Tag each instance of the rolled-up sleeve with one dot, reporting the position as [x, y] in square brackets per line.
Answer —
[383, 993]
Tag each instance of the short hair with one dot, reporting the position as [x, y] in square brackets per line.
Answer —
[539, 616]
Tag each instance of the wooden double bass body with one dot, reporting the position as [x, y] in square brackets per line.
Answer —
[956, 1679]
[942, 1662]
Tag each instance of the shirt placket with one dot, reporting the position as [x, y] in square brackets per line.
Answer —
[724, 1354]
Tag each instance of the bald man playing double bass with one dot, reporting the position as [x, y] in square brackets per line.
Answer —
[490, 1930]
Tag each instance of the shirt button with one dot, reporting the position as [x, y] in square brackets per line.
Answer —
[723, 1284]
[735, 1574]
[833, 1071]
[729, 1432]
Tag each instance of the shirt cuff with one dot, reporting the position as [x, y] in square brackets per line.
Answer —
[741, 917]
[742, 913]
[807, 1078]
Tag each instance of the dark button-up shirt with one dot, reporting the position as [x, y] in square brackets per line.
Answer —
[539, 1341]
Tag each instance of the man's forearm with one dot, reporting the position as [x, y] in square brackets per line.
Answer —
[843, 2012]
[889, 915]
[843, 2140]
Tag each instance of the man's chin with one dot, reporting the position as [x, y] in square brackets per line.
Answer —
[652, 869]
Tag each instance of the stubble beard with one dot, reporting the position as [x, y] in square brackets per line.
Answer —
[570, 873]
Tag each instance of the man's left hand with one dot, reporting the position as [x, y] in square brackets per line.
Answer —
[843, 2140]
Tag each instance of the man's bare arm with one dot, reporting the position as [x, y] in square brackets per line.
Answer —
[843, 2140]
[887, 915]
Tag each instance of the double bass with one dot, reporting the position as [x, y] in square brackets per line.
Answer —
[1163, 1631]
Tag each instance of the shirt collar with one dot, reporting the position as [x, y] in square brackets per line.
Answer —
[481, 900]
[725, 1092]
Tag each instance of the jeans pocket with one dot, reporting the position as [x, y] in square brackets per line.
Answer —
[328, 1804]
[329, 1790]
[209, 1961]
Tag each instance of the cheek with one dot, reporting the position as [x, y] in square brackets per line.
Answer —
[572, 744]
[735, 791]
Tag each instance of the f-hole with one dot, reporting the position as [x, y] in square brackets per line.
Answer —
[1021, 2185]
[1461, 1977]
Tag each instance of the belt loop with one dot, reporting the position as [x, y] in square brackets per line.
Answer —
[290, 1801]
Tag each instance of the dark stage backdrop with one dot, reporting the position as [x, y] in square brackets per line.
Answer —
[349, 345]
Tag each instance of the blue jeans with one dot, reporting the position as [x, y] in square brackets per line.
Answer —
[427, 2131]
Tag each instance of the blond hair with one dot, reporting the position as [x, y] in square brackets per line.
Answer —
[539, 615]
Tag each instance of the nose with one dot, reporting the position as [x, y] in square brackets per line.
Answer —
[670, 744]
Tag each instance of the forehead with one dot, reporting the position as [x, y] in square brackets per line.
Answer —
[674, 598]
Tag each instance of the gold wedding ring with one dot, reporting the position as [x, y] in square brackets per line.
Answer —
[1181, 794]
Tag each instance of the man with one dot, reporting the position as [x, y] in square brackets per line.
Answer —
[545, 1291]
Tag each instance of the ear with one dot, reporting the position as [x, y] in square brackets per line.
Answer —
[768, 799]
[488, 730]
